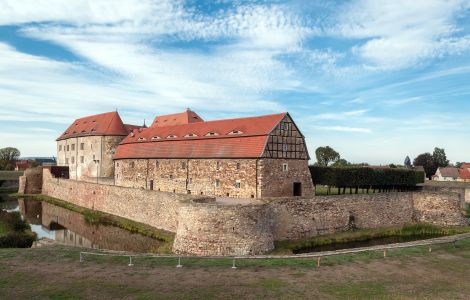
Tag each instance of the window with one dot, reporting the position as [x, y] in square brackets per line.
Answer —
[190, 180]
[82, 146]
[157, 164]
[60, 147]
[217, 166]
[73, 160]
[212, 133]
[155, 138]
[66, 161]
[132, 164]
[285, 147]
[191, 135]
[171, 136]
[171, 176]
[235, 132]
[238, 166]
[238, 184]
[217, 183]
[141, 139]
[93, 157]
[73, 147]
[183, 165]
[286, 126]
[68, 147]
[117, 164]
[82, 159]
[285, 167]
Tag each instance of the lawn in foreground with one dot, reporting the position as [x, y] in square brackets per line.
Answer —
[56, 273]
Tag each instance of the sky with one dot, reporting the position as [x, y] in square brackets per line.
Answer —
[375, 80]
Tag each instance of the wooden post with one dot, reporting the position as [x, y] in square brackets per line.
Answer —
[385, 252]
[318, 261]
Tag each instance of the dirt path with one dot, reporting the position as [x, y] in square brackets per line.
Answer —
[56, 273]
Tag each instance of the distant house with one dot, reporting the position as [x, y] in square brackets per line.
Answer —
[446, 174]
[464, 173]
[21, 165]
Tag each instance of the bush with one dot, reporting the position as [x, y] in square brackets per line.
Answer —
[17, 239]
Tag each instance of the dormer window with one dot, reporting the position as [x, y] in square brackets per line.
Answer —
[83, 131]
[191, 135]
[212, 133]
[93, 130]
[74, 132]
[171, 136]
[155, 138]
[141, 139]
[235, 132]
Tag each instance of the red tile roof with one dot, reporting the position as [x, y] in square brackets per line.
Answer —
[231, 138]
[464, 173]
[465, 166]
[102, 124]
[186, 117]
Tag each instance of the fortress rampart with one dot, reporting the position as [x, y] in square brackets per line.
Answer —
[203, 226]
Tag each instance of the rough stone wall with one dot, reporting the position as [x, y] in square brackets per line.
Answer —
[99, 148]
[31, 182]
[275, 182]
[209, 229]
[440, 208]
[194, 176]
[157, 209]
[307, 217]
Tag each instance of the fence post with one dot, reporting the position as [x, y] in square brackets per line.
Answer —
[318, 261]
[81, 257]
[130, 262]
[430, 249]
[179, 265]
[233, 264]
[385, 253]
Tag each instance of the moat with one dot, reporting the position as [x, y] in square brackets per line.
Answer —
[70, 228]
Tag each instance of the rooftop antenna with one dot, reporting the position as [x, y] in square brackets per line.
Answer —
[145, 126]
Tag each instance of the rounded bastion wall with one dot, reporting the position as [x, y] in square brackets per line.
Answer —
[211, 229]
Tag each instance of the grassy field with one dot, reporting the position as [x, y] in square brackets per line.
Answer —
[414, 273]
[10, 175]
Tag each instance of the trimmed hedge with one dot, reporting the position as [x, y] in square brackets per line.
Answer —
[366, 178]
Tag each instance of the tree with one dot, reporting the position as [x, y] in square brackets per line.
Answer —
[8, 158]
[427, 162]
[326, 155]
[341, 163]
[440, 158]
[407, 162]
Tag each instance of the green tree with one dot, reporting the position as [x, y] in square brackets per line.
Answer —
[440, 158]
[340, 163]
[326, 155]
[426, 161]
[8, 158]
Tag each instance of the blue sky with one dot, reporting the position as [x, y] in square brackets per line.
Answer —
[376, 80]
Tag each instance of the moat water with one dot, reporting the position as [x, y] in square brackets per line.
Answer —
[70, 228]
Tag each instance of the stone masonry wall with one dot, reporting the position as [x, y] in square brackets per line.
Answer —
[213, 229]
[207, 228]
[157, 209]
[31, 181]
[212, 177]
[439, 208]
[308, 217]
[275, 181]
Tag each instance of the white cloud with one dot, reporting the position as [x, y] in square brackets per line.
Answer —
[344, 129]
[402, 33]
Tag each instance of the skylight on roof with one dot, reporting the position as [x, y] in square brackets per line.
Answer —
[171, 136]
[190, 135]
[212, 133]
[235, 132]
[141, 139]
[156, 138]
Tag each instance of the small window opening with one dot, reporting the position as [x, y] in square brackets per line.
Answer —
[238, 166]
[285, 167]
[238, 184]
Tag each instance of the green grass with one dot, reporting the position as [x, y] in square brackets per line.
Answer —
[10, 175]
[425, 230]
[101, 218]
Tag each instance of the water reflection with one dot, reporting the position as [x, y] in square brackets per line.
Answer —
[70, 228]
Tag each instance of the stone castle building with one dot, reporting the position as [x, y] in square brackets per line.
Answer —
[87, 146]
[255, 157]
